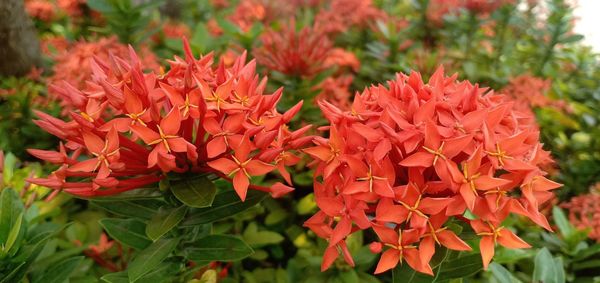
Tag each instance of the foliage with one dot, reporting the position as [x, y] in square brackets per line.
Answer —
[317, 50]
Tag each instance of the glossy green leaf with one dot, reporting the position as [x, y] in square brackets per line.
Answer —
[444, 271]
[129, 232]
[226, 204]
[195, 192]
[164, 220]
[218, 248]
[163, 271]
[148, 259]
[143, 209]
[60, 272]
[460, 267]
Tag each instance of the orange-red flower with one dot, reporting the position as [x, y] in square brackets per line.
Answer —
[584, 213]
[406, 159]
[128, 127]
[296, 53]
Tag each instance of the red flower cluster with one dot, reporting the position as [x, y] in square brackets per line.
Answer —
[341, 15]
[584, 213]
[406, 159]
[73, 65]
[530, 92]
[298, 53]
[131, 127]
[42, 10]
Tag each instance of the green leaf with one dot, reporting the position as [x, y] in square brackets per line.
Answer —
[564, 226]
[129, 232]
[10, 207]
[257, 238]
[226, 204]
[501, 274]
[444, 271]
[164, 220]
[195, 192]
[14, 233]
[572, 38]
[460, 267]
[116, 277]
[10, 162]
[164, 271]
[60, 272]
[143, 209]
[545, 269]
[101, 6]
[219, 248]
[150, 258]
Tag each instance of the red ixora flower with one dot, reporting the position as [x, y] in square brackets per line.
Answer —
[130, 127]
[584, 213]
[292, 52]
[405, 160]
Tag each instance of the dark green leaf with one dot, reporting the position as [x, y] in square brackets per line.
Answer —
[60, 272]
[100, 5]
[148, 259]
[218, 248]
[158, 274]
[164, 220]
[572, 38]
[129, 232]
[137, 194]
[143, 209]
[195, 192]
[226, 204]
[460, 267]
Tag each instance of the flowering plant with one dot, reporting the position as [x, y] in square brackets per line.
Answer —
[135, 127]
[406, 159]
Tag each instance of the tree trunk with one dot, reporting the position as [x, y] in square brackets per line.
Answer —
[19, 46]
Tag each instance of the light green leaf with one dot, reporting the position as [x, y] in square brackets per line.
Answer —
[129, 232]
[148, 259]
[195, 192]
[501, 274]
[164, 220]
[10, 207]
[10, 162]
[545, 269]
[14, 233]
[257, 238]
[218, 248]
[564, 226]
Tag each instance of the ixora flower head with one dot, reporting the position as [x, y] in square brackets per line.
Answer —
[406, 160]
[131, 128]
